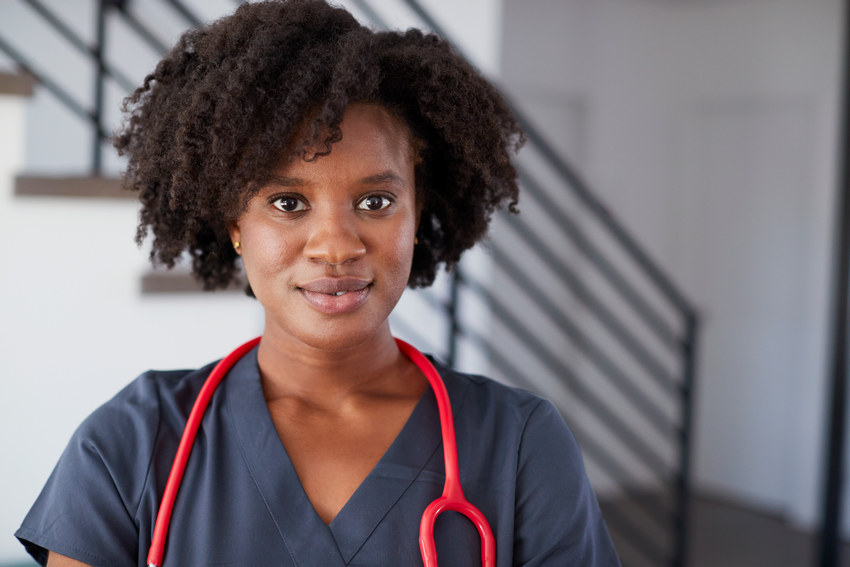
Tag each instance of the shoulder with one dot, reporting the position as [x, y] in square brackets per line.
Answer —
[154, 386]
[120, 437]
[555, 517]
[482, 396]
[153, 399]
[105, 466]
[516, 424]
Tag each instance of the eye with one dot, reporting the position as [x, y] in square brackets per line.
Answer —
[289, 204]
[374, 203]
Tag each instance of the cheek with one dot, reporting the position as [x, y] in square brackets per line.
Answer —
[402, 256]
[266, 252]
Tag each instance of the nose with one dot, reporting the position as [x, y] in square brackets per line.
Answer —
[334, 240]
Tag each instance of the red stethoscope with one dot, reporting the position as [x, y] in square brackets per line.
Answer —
[452, 498]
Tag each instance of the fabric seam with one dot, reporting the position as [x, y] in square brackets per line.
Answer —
[154, 445]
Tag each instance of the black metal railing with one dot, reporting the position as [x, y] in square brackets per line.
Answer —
[92, 112]
[667, 509]
[624, 377]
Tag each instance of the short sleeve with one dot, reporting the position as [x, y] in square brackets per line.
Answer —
[86, 511]
[558, 521]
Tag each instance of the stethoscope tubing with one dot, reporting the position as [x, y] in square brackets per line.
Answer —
[452, 498]
[175, 477]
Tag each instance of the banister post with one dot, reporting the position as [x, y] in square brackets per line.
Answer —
[99, 81]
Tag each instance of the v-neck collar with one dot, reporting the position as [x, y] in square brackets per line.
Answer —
[309, 540]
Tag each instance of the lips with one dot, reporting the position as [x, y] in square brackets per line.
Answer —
[336, 295]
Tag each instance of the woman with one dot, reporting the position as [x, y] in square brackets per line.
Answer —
[337, 166]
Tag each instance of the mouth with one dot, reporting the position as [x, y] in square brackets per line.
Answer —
[336, 295]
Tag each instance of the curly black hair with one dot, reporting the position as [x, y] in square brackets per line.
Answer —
[208, 125]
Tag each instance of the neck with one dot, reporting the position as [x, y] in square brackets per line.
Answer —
[295, 370]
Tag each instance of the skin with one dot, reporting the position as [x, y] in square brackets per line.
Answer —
[56, 560]
[338, 389]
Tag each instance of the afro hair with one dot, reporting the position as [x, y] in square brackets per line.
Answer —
[209, 124]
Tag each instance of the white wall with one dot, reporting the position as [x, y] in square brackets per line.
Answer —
[710, 128]
[74, 328]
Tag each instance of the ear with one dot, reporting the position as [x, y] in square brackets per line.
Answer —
[416, 226]
[235, 235]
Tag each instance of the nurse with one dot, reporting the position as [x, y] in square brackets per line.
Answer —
[336, 166]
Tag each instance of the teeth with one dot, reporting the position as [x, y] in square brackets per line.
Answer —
[339, 293]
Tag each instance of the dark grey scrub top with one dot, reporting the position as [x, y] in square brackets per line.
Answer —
[241, 502]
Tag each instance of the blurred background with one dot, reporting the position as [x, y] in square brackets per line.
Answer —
[670, 283]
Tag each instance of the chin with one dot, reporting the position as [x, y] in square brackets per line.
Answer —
[338, 334]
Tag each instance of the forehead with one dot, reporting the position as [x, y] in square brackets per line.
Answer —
[371, 135]
[364, 120]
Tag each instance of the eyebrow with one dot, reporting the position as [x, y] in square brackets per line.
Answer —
[385, 177]
[285, 181]
[377, 179]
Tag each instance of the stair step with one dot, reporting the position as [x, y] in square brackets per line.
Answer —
[16, 84]
[71, 186]
[156, 282]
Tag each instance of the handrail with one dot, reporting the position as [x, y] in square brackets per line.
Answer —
[658, 326]
[103, 70]
[371, 14]
[517, 377]
[602, 361]
[123, 81]
[544, 354]
[575, 182]
[607, 218]
[185, 12]
[646, 359]
[141, 30]
[57, 91]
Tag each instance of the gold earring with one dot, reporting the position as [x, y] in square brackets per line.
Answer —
[236, 246]
[415, 240]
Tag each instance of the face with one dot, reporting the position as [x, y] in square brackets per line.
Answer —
[327, 245]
